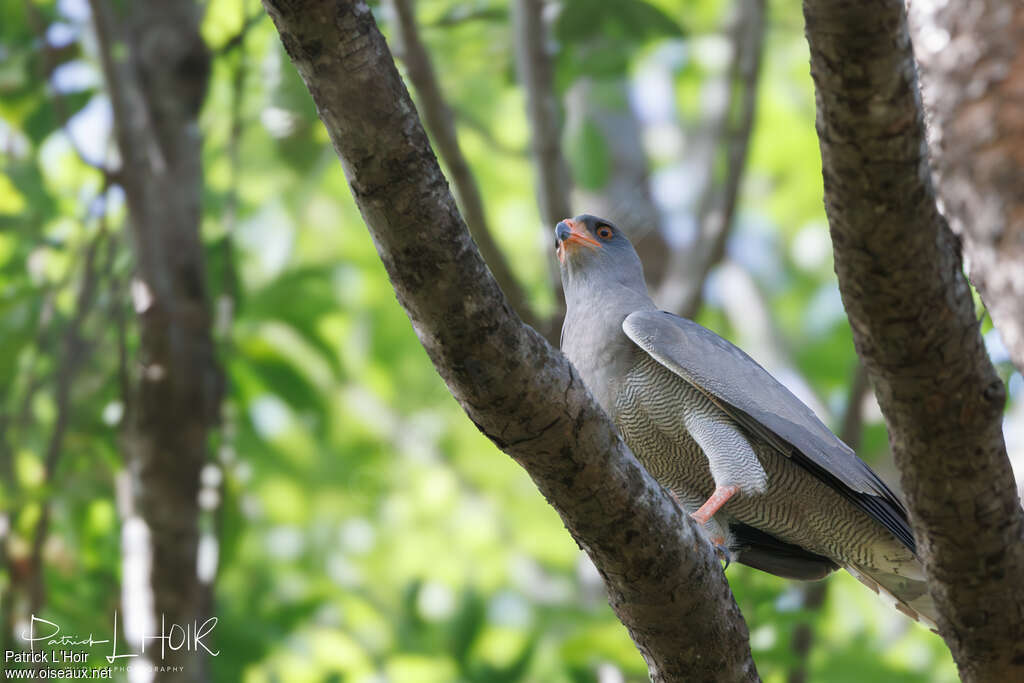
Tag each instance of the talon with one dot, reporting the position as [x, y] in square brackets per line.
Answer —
[722, 551]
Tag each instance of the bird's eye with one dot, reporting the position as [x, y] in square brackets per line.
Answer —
[604, 232]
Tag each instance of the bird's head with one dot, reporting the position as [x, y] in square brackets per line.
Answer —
[593, 253]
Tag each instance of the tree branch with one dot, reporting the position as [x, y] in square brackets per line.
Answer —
[441, 123]
[72, 354]
[683, 285]
[533, 63]
[973, 75]
[915, 329]
[813, 594]
[237, 41]
[663, 582]
[60, 108]
[552, 180]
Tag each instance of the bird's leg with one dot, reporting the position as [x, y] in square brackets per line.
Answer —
[719, 498]
[702, 516]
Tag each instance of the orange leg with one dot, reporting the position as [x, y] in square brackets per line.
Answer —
[719, 498]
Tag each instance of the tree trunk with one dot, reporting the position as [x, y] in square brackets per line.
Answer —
[973, 74]
[156, 90]
[663, 581]
[915, 328]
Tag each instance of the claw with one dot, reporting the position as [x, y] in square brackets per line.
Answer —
[722, 551]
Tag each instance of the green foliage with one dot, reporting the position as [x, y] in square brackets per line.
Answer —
[588, 156]
[599, 38]
[364, 527]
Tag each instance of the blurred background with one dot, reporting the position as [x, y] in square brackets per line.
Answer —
[354, 525]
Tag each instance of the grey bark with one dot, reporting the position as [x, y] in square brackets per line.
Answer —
[157, 82]
[972, 59]
[915, 329]
[662, 580]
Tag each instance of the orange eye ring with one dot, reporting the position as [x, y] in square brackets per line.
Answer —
[604, 232]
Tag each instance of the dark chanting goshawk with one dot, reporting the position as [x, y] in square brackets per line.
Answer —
[773, 488]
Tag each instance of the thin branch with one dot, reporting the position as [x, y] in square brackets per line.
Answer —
[915, 328]
[56, 97]
[72, 355]
[533, 62]
[683, 285]
[552, 180]
[118, 304]
[237, 41]
[813, 595]
[852, 427]
[663, 581]
[437, 116]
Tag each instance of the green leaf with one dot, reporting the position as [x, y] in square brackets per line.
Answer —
[43, 119]
[466, 626]
[638, 21]
[298, 298]
[279, 376]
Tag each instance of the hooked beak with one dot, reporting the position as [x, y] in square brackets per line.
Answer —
[570, 234]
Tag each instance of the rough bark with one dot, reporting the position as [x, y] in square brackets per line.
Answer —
[663, 582]
[915, 328]
[972, 60]
[683, 285]
[440, 122]
[157, 83]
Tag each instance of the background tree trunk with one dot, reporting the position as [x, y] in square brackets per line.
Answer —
[625, 198]
[915, 328]
[156, 91]
[973, 74]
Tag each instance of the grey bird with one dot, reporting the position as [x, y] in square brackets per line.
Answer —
[773, 488]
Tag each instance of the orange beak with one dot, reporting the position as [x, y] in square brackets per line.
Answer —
[570, 233]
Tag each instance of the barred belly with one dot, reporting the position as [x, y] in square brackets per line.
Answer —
[797, 507]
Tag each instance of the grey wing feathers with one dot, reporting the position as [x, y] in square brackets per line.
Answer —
[762, 405]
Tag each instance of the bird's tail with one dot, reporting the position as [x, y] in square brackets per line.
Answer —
[907, 594]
